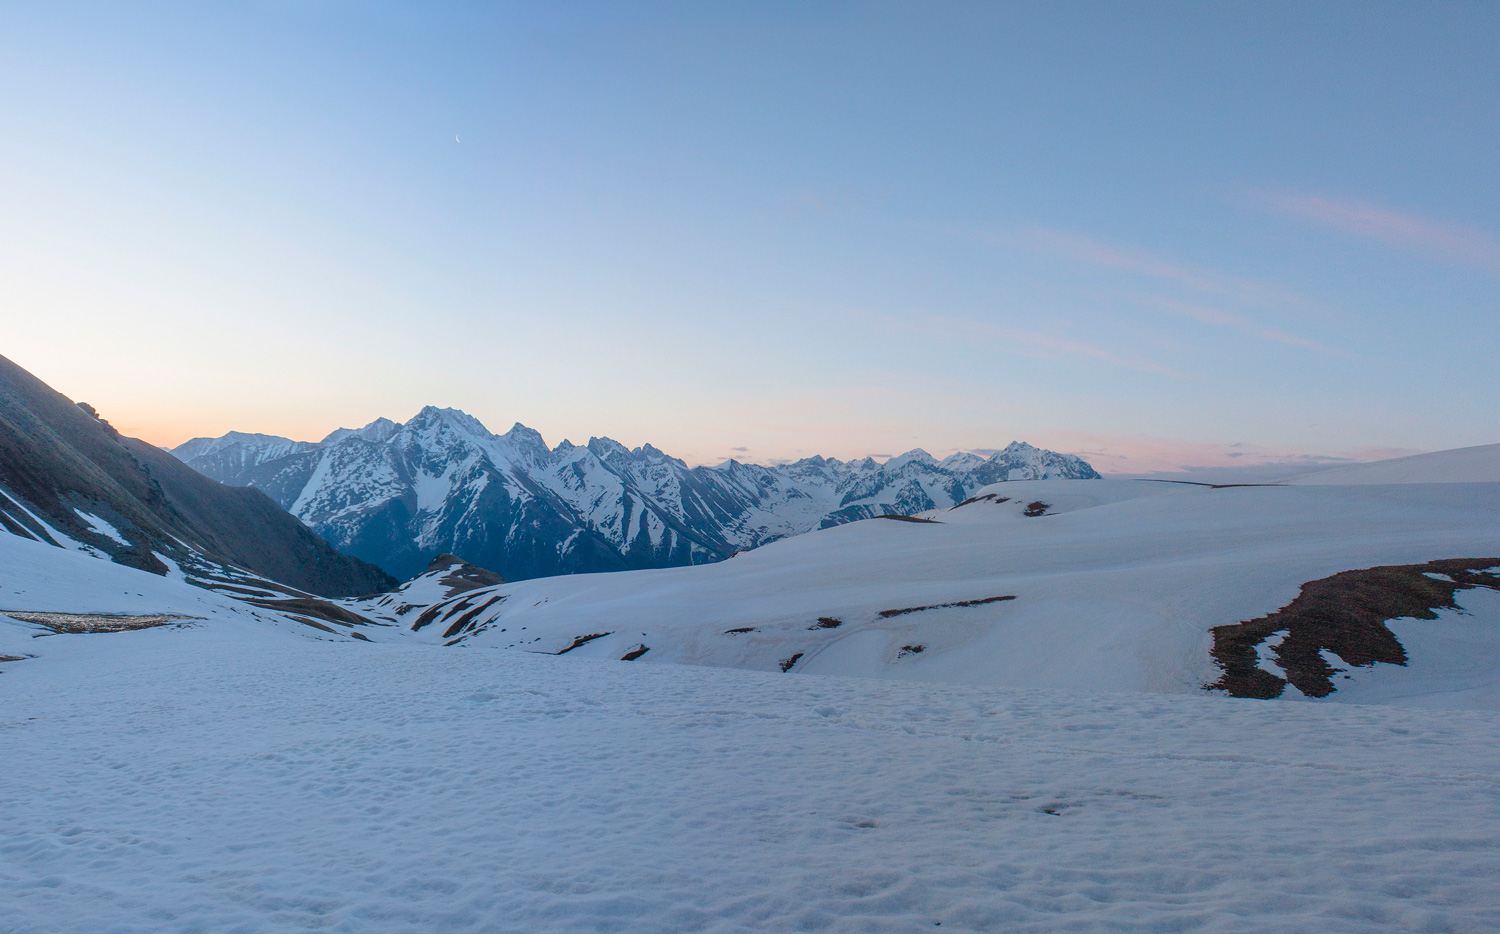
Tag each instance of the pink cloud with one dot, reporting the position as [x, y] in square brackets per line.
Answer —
[1465, 245]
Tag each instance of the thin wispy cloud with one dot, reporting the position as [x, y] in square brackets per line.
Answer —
[1454, 243]
[1218, 316]
[1140, 262]
[1026, 343]
[1210, 284]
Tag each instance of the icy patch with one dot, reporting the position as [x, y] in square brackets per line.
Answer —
[1332, 660]
[174, 570]
[1266, 656]
[101, 527]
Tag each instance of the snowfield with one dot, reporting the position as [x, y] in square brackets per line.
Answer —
[1116, 586]
[1035, 754]
[235, 778]
[1480, 464]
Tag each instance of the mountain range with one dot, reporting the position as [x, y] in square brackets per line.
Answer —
[397, 494]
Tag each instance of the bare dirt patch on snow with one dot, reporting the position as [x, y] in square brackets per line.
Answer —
[92, 622]
[887, 614]
[1344, 614]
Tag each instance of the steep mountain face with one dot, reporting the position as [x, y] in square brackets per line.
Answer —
[68, 478]
[398, 494]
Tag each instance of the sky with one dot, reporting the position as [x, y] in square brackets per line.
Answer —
[1155, 234]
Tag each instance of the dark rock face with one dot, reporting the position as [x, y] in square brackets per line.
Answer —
[459, 576]
[63, 467]
[396, 495]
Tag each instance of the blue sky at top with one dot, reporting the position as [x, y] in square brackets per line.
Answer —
[1156, 234]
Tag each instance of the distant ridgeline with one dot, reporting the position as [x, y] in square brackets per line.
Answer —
[395, 495]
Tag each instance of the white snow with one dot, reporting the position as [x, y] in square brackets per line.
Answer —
[240, 775]
[1265, 654]
[100, 526]
[1462, 465]
[174, 570]
[1454, 661]
[43, 578]
[1116, 587]
[239, 779]
[59, 537]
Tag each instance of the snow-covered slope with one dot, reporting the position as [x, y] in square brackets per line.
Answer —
[237, 769]
[1104, 585]
[397, 494]
[235, 779]
[37, 578]
[1462, 465]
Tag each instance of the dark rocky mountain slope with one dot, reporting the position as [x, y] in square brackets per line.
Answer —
[70, 479]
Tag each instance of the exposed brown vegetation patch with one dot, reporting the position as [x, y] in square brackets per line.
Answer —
[462, 576]
[1211, 486]
[887, 614]
[316, 608]
[787, 663]
[731, 632]
[445, 609]
[1345, 614]
[582, 640]
[91, 622]
[313, 623]
[909, 519]
[827, 622]
[467, 620]
[993, 497]
[635, 653]
[906, 650]
[1035, 509]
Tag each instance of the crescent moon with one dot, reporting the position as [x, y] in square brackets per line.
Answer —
[456, 139]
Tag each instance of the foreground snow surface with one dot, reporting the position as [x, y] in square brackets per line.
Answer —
[235, 777]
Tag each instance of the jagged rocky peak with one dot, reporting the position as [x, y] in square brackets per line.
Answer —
[1014, 448]
[607, 449]
[434, 418]
[961, 460]
[526, 438]
[443, 483]
[200, 447]
[654, 455]
[915, 456]
[379, 431]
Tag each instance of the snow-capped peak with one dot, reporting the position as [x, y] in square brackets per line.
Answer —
[200, 447]
[433, 418]
[442, 482]
[526, 438]
[380, 430]
[914, 456]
